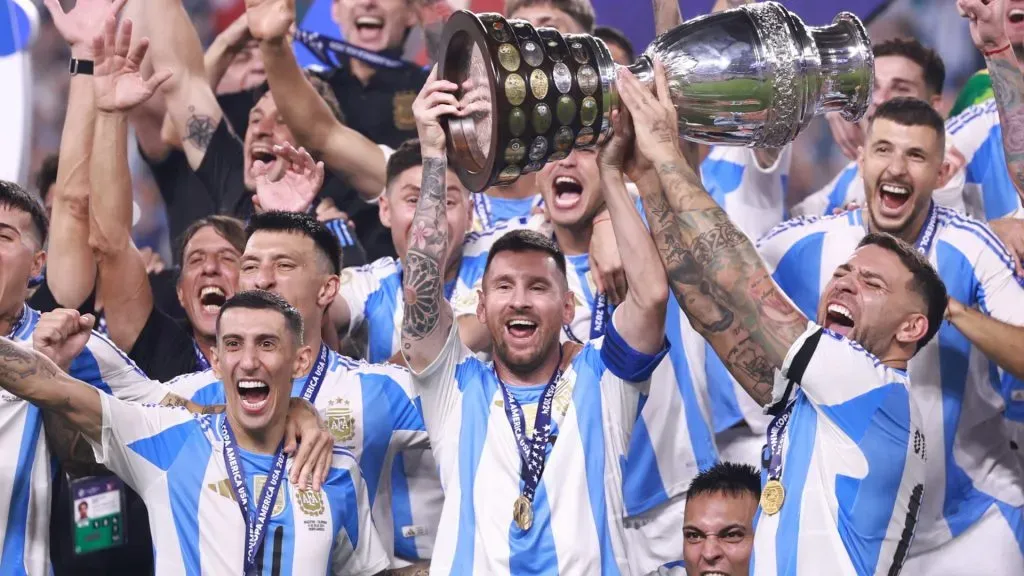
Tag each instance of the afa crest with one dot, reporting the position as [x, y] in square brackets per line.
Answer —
[340, 420]
[311, 502]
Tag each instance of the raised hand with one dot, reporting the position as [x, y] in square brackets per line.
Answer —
[118, 83]
[270, 19]
[987, 18]
[290, 184]
[83, 22]
[61, 335]
[655, 121]
[848, 135]
[436, 99]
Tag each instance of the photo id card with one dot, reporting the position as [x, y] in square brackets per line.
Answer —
[97, 512]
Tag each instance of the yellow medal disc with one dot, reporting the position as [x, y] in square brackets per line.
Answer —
[772, 497]
[522, 513]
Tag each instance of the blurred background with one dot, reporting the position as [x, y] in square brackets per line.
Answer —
[815, 160]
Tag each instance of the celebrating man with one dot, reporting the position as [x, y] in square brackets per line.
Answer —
[845, 438]
[213, 483]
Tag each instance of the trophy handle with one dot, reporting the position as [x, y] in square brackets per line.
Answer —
[847, 66]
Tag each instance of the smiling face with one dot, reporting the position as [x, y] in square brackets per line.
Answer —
[901, 166]
[718, 534]
[266, 128]
[571, 189]
[524, 303]
[870, 300]
[374, 25]
[897, 76]
[257, 357]
[209, 276]
[21, 258]
[398, 207]
[245, 71]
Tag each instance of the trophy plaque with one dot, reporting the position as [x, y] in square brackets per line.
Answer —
[751, 76]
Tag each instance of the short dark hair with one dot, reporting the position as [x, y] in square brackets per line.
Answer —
[729, 478]
[911, 49]
[14, 196]
[263, 300]
[322, 87]
[926, 282]
[302, 224]
[526, 241]
[407, 155]
[47, 176]
[230, 229]
[582, 11]
[615, 36]
[912, 112]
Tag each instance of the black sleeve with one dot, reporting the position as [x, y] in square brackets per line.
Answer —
[164, 349]
[236, 107]
[44, 301]
[222, 172]
[165, 294]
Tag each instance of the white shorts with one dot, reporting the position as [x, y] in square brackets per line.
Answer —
[655, 538]
[988, 547]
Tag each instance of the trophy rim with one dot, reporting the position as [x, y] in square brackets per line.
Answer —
[459, 132]
[856, 110]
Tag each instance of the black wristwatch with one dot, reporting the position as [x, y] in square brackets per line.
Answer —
[77, 66]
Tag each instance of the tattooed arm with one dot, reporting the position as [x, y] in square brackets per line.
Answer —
[174, 45]
[714, 270]
[987, 31]
[428, 315]
[33, 377]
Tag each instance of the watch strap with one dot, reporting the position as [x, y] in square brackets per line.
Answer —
[77, 66]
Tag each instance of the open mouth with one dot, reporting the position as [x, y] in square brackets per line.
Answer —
[713, 573]
[369, 28]
[211, 298]
[1016, 15]
[894, 196]
[568, 192]
[839, 319]
[253, 394]
[521, 328]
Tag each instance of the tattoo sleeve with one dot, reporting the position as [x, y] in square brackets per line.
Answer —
[70, 448]
[1008, 85]
[720, 281]
[423, 287]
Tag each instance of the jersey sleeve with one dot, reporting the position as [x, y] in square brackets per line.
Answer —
[352, 253]
[829, 368]
[999, 292]
[357, 284]
[846, 187]
[104, 366]
[438, 385]
[357, 549]
[408, 430]
[623, 361]
[139, 442]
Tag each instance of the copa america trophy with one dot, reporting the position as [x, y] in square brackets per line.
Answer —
[751, 76]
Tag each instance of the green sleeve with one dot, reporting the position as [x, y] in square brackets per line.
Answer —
[977, 90]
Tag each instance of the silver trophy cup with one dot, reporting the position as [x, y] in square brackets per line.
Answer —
[752, 76]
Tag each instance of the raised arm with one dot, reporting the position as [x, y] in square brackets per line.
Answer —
[344, 150]
[1003, 343]
[119, 87]
[714, 270]
[428, 315]
[174, 45]
[643, 309]
[987, 22]
[667, 15]
[71, 270]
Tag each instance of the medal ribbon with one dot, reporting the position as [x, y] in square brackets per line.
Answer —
[255, 521]
[776, 433]
[324, 47]
[20, 322]
[532, 451]
[924, 243]
[202, 364]
[316, 376]
[598, 322]
[482, 205]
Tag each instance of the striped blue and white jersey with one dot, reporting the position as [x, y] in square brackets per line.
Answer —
[853, 464]
[848, 186]
[175, 460]
[754, 197]
[27, 469]
[978, 136]
[490, 211]
[341, 231]
[371, 411]
[971, 465]
[578, 507]
[375, 300]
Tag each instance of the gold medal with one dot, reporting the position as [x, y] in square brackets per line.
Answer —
[522, 513]
[772, 497]
[539, 84]
[515, 89]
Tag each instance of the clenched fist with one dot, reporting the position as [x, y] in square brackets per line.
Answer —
[62, 334]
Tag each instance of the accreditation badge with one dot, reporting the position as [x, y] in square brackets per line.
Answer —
[97, 513]
[402, 110]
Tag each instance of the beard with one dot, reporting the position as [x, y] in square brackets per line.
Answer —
[523, 362]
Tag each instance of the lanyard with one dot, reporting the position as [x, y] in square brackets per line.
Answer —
[598, 320]
[202, 364]
[776, 435]
[324, 47]
[255, 521]
[924, 243]
[20, 322]
[532, 451]
[316, 376]
[482, 205]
